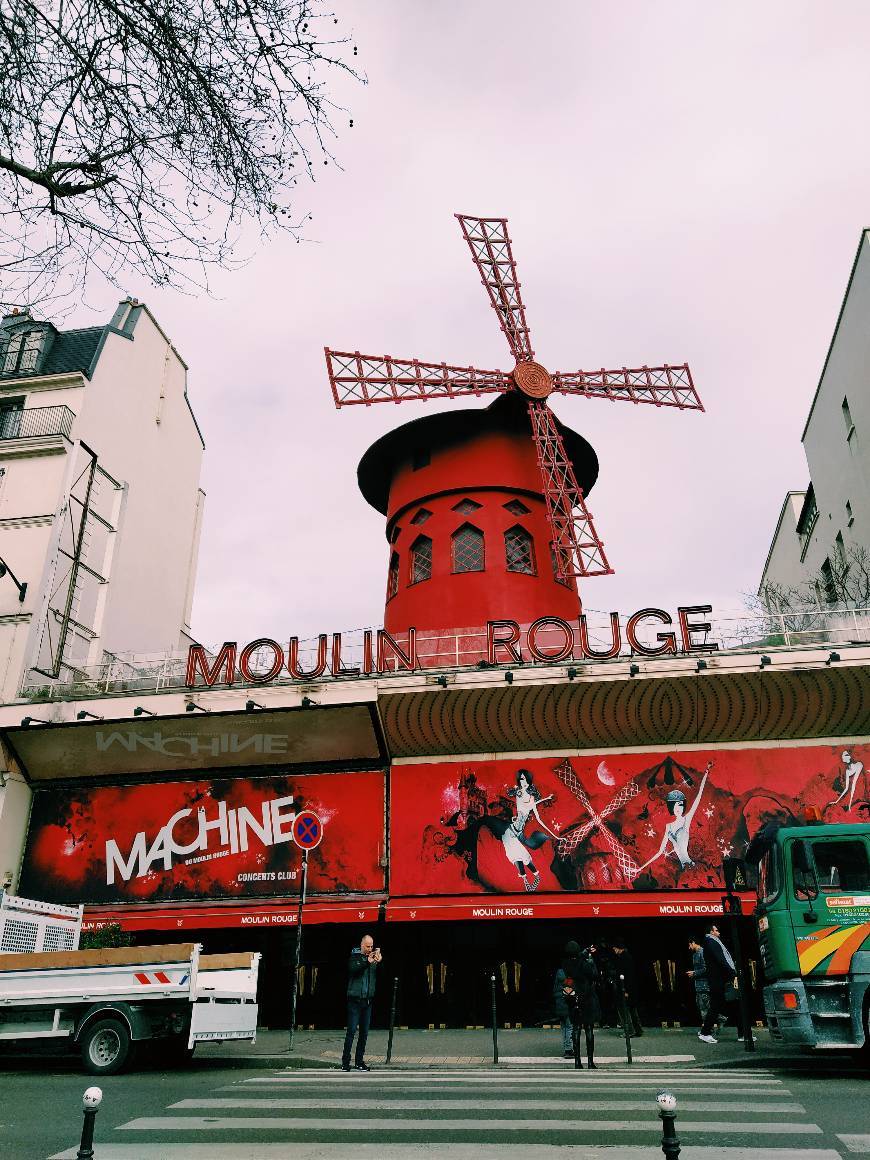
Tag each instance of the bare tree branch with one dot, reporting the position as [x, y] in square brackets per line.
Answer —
[145, 135]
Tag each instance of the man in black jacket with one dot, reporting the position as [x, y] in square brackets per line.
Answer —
[361, 971]
[722, 977]
[625, 973]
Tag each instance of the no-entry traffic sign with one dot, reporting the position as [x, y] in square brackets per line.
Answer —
[307, 830]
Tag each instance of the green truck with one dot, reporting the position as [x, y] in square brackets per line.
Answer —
[813, 918]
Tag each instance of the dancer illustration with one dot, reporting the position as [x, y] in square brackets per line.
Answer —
[677, 831]
[852, 772]
[517, 843]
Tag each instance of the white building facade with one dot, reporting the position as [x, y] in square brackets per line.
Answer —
[823, 531]
[100, 508]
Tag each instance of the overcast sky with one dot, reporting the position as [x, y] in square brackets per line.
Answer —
[683, 182]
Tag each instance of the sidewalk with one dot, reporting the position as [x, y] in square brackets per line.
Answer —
[528, 1047]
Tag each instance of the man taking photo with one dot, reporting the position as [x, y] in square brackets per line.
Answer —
[361, 971]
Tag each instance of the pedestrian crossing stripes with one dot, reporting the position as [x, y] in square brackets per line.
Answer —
[320, 1114]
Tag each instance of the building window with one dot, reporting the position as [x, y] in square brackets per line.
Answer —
[847, 419]
[829, 587]
[10, 418]
[421, 559]
[850, 519]
[559, 579]
[807, 520]
[519, 551]
[516, 508]
[466, 506]
[422, 516]
[393, 576]
[395, 533]
[421, 457]
[467, 549]
[20, 351]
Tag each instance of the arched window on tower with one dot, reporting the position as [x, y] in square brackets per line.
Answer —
[559, 579]
[519, 551]
[393, 576]
[466, 545]
[421, 559]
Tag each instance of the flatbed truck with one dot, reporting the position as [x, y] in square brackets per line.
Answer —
[105, 1002]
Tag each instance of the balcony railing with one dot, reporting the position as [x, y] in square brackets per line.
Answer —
[35, 422]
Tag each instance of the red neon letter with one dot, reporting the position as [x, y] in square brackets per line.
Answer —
[615, 639]
[197, 658]
[368, 658]
[293, 659]
[563, 651]
[669, 641]
[249, 650]
[493, 642]
[687, 629]
[406, 660]
[338, 668]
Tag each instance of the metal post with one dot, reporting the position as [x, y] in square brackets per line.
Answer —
[731, 908]
[667, 1103]
[298, 956]
[742, 997]
[494, 1020]
[392, 1018]
[623, 1015]
[91, 1101]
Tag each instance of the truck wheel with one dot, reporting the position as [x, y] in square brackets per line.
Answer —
[105, 1046]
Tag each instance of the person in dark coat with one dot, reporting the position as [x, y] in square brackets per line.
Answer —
[626, 977]
[561, 1009]
[361, 971]
[605, 961]
[579, 989]
[722, 978]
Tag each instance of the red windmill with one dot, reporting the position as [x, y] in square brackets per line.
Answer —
[357, 378]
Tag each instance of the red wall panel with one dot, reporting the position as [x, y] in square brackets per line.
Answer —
[185, 839]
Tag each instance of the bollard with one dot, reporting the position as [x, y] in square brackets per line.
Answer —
[667, 1103]
[494, 1020]
[392, 1018]
[91, 1101]
[623, 1016]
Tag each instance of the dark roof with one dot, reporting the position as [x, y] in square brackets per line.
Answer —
[69, 350]
[72, 350]
[508, 412]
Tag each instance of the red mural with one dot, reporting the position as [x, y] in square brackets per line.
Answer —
[203, 839]
[637, 821]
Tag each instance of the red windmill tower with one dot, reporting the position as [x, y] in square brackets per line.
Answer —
[576, 549]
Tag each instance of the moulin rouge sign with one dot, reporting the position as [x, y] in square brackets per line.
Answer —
[548, 640]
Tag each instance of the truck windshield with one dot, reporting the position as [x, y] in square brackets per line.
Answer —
[842, 864]
[769, 878]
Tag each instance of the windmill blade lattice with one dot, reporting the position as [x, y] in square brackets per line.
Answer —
[366, 379]
[596, 820]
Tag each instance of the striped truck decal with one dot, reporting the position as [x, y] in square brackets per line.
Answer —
[838, 942]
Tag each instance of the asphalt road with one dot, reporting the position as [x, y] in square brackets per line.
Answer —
[815, 1109]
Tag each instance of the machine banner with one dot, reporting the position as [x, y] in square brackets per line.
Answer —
[638, 821]
[204, 839]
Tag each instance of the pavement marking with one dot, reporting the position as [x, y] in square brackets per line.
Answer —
[491, 1075]
[302, 1123]
[579, 1079]
[308, 1150]
[367, 1103]
[539, 1060]
[855, 1143]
